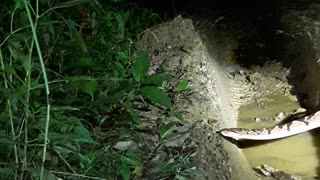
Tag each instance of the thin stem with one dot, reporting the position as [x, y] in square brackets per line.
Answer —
[34, 13]
[77, 175]
[9, 101]
[11, 23]
[66, 162]
[44, 73]
[27, 111]
[37, 9]
[10, 114]
[23, 28]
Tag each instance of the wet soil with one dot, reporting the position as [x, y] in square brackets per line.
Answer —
[240, 78]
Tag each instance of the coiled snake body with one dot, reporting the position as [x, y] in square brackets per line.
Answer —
[292, 128]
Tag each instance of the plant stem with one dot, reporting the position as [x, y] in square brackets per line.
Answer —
[10, 115]
[27, 111]
[44, 73]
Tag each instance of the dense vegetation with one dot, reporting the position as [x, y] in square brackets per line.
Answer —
[70, 76]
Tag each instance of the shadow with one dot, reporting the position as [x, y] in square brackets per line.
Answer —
[231, 140]
[247, 143]
[295, 116]
[243, 144]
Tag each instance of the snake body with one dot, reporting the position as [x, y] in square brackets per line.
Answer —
[292, 128]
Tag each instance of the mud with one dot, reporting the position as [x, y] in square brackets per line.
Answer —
[229, 88]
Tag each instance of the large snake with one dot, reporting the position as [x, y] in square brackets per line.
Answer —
[292, 128]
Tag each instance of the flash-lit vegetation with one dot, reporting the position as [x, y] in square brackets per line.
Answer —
[70, 77]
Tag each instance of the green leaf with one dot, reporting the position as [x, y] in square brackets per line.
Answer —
[84, 135]
[180, 177]
[156, 79]
[25, 62]
[81, 131]
[22, 19]
[125, 171]
[37, 91]
[43, 2]
[122, 17]
[121, 91]
[19, 3]
[74, 85]
[85, 62]
[116, 96]
[67, 148]
[9, 69]
[64, 108]
[166, 130]
[178, 116]
[130, 161]
[77, 43]
[7, 171]
[70, 4]
[156, 95]
[182, 85]
[84, 140]
[141, 66]
[132, 113]
[167, 166]
[36, 173]
[10, 141]
[122, 56]
[90, 87]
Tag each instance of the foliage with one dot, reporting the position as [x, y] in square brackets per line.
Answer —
[70, 77]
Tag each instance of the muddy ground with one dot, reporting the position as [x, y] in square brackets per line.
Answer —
[240, 75]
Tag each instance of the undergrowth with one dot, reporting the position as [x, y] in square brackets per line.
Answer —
[70, 78]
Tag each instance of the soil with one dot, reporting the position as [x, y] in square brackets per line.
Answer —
[235, 79]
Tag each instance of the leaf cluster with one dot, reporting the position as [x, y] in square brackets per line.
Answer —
[70, 79]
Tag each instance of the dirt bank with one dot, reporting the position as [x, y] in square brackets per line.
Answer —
[239, 78]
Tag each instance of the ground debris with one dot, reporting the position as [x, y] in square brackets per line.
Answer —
[268, 171]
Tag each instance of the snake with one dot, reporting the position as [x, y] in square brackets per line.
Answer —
[294, 127]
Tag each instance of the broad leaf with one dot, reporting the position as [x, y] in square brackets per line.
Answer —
[156, 79]
[36, 173]
[67, 148]
[166, 130]
[125, 171]
[122, 56]
[182, 85]
[83, 132]
[10, 141]
[157, 96]
[167, 166]
[9, 69]
[25, 62]
[132, 113]
[91, 87]
[120, 92]
[131, 161]
[6, 171]
[178, 116]
[141, 66]
[85, 62]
